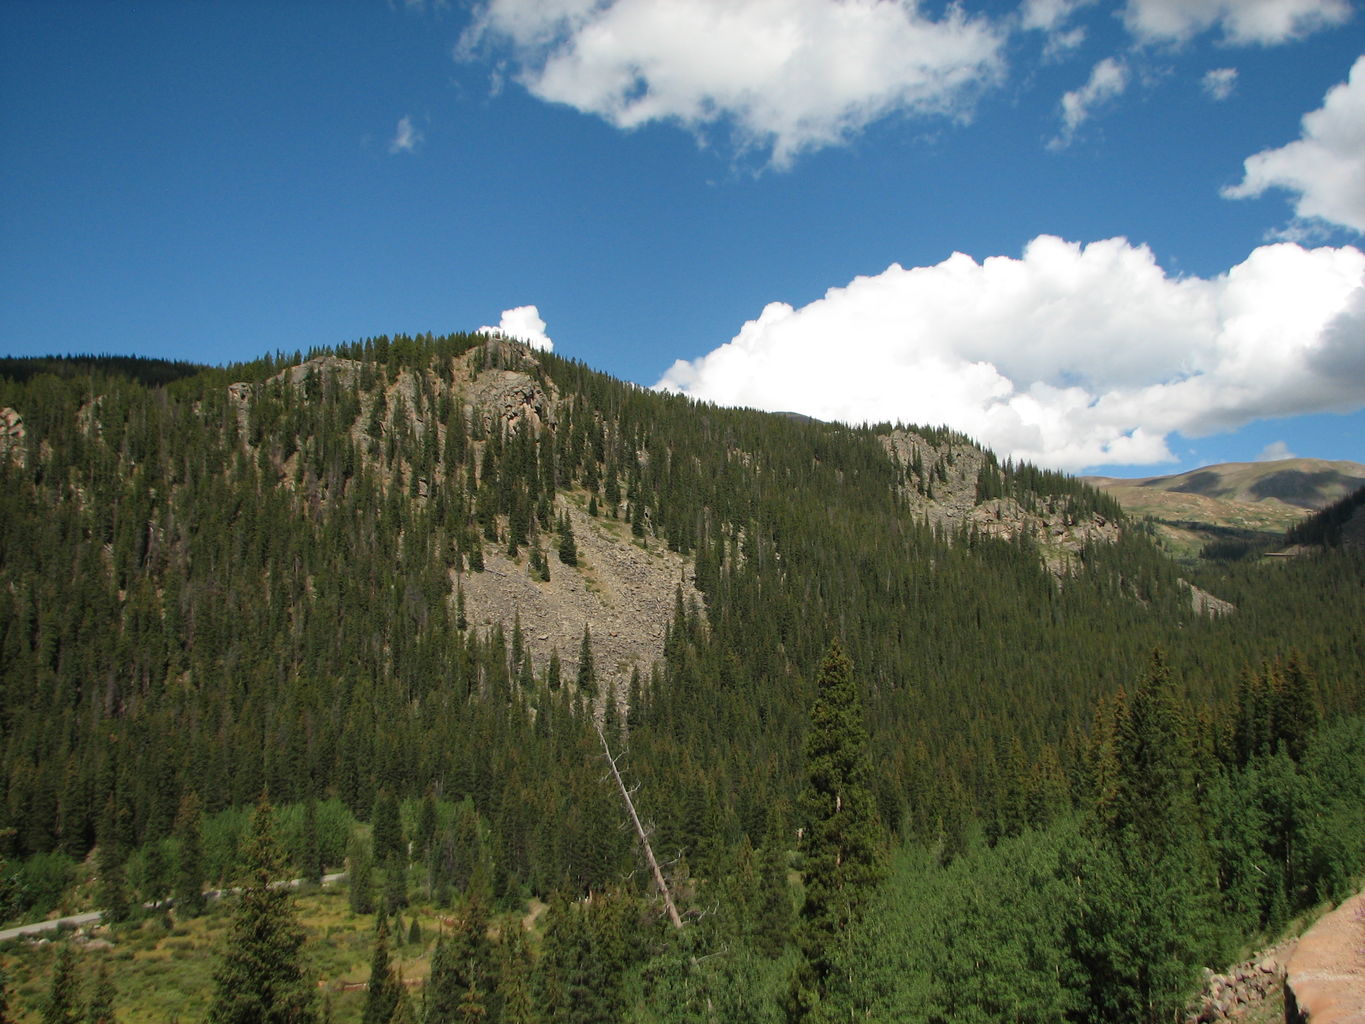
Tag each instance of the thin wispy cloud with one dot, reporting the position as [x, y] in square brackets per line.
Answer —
[1219, 83]
[406, 137]
[1108, 80]
[1239, 22]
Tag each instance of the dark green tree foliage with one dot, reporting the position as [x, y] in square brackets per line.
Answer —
[382, 994]
[189, 863]
[238, 589]
[6, 1011]
[262, 977]
[841, 842]
[360, 872]
[587, 674]
[514, 978]
[388, 832]
[102, 998]
[568, 546]
[1138, 937]
[63, 1002]
[112, 893]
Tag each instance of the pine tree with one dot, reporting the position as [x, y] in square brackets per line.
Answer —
[841, 840]
[6, 1014]
[101, 1010]
[381, 998]
[360, 876]
[261, 977]
[189, 865]
[388, 832]
[514, 978]
[587, 675]
[63, 996]
[113, 884]
[310, 850]
[568, 547]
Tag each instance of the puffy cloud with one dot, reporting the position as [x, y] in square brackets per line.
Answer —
[1266, 22]
[784, 75]
[1069, 356]
[406, 138]
[1326, 165]
[1219, 83]
[1108, 80]
[1274, 452]
[524, 324]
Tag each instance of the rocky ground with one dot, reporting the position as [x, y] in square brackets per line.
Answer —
[622, 588]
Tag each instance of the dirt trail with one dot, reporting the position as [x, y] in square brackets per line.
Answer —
[1326, 983]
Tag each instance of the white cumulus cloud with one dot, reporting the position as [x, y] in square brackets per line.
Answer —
[523, 323]
[1108, 80]
[1219, 83]
[1325, 166]
[406, 137]
[1069, 356]
[787, 76]
[1243, 22]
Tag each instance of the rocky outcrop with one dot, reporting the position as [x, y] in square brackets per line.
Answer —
[1326, 979]
[1250, 986]
[1205, 603]
[13, 443]
[940, 483]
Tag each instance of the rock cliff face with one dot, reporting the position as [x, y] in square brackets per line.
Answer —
[13, 437]
[940, 483]
[1326, 980]
[623, 589]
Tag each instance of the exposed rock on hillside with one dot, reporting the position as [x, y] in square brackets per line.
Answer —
[940, 482]
[12, 437]
[622, 591]
[1253, 985]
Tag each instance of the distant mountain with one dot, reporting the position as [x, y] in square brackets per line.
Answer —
[1245, 500]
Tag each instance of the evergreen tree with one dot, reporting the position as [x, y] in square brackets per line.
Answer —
[112, 891]
[1143, 920]
[514, 978]
[189, 866]
[310, 849]
[261, 977]
[568, 547]
[442, 994]
[587, 675]
[6, 1013]
[360, 876]
[388, 832]
[841, 841]
[381, 998]
[101, 1010]
[63, 1005]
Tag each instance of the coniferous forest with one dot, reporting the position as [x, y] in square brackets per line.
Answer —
[893, 769]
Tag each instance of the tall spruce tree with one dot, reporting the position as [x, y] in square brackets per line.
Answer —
[262, 977]
[63, 1003]
[381, 998]
[841, 840]
[189, 866]
[101, 1009]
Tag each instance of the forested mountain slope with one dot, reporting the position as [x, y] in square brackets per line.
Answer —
[419, 568]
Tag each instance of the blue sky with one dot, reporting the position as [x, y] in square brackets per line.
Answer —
[1158, 204]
